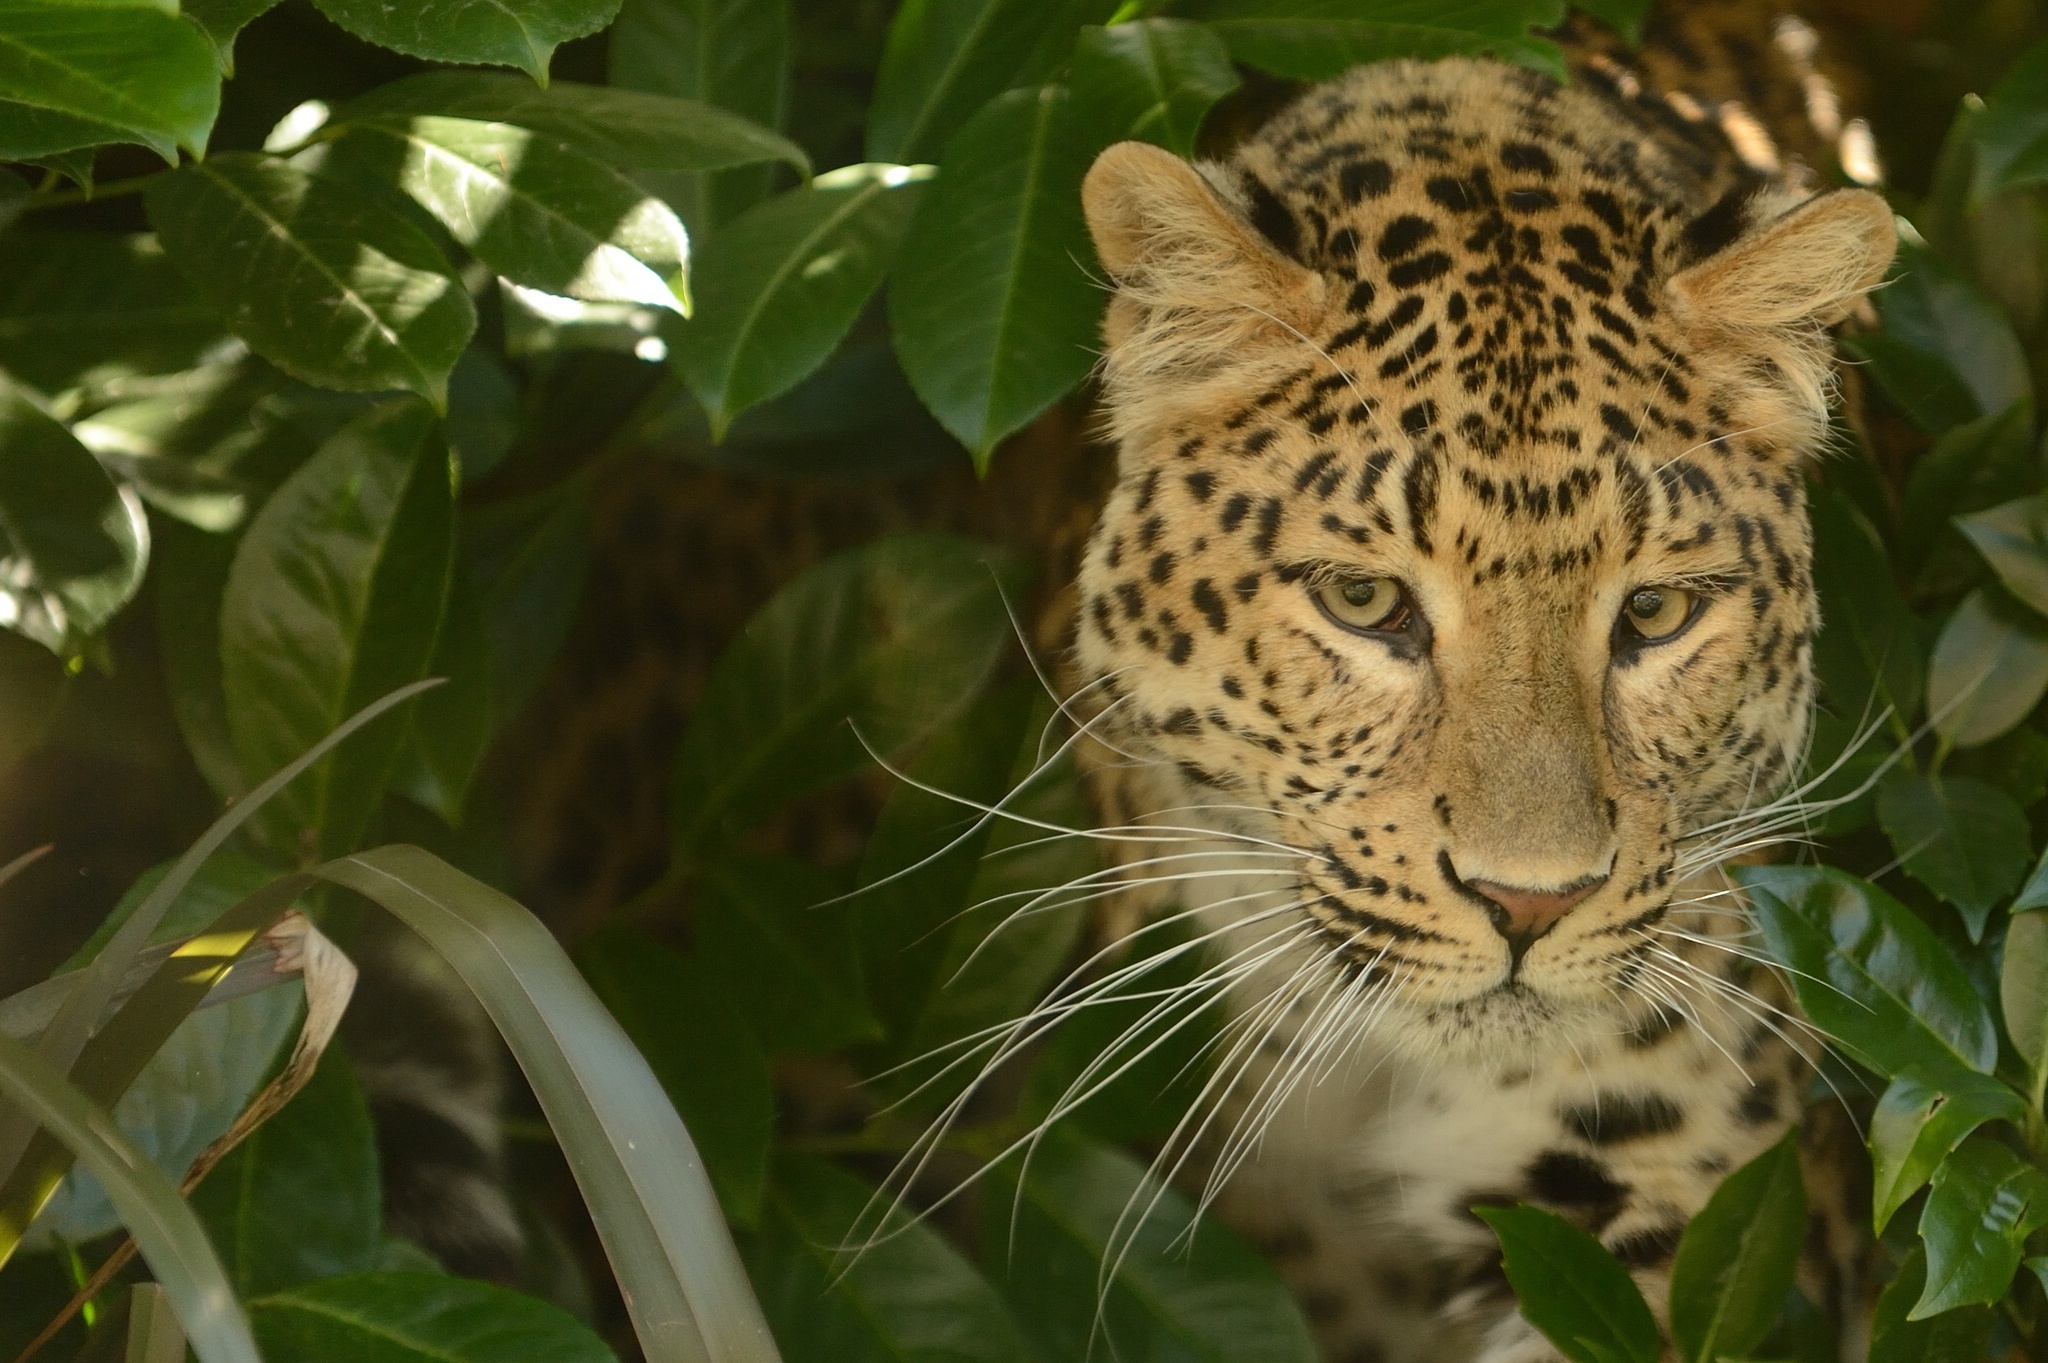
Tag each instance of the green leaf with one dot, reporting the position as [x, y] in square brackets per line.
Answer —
[1959, 1336]
[680, 1013]
[328, 283]
[1099, 1254]
[1737, 1257]
[82, 308]
[882, 644]
[1151, 79]
[1931, 307]
[1989, 668]
[521, 33]
[1571, 1288]
[910, 1298]
[1962, 838]
[652, 1206]
[534, 209]
[624, 129]
[2013, 537]
[2012, 132]
[1321, 39]
[1918, 1123]
[1868, 651]
[191, 573]
[781, 285]
[73, 546]
[946, 59]
[1870, 974]
[1971, 467]
[732, 54]
[785, 953]
[89, 70]
[1986, 1201]
[2023, 984]
[1925, 387]
[1623, 16]
[992, 306]
[170, 1237]
[299, 1199]
[417, 1318]
[221, 20]
[335, 598]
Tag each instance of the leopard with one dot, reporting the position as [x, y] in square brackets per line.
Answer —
[1453, 612]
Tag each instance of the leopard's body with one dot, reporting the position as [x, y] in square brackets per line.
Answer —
[1525, 350]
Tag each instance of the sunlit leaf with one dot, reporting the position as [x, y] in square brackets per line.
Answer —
[88, 70]
[2023, 983]
[521, 33]
[1962, 838]
[1870, 974]
[417, 1318]
[1571, 1288]
[1917, 1124]
[1079, 1271]
[1736, 1260]
[1151, 79]
[993, 309]
[327, 282]
[1989, 668]
[1985, 1202]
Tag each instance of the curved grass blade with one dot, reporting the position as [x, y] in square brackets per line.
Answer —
[172, 1240]
[647, 1190]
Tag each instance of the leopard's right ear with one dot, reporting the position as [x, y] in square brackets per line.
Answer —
[1196, 282]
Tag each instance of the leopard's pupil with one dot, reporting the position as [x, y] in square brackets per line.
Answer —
[1361, 593]
[1645, 605]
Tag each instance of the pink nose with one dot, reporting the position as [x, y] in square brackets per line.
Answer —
[1530, 913]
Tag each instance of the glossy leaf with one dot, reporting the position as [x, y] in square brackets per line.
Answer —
[1918, 1123]
[84, 72]
[521, 33]
[1870, 974]
[191, 572]
[534, 209]
[73, 545]
[2023, 985]
[1094, 1256]
[1738, 1255]
[299, 1199]
[946, 58]
[2013, 537]
[1931, 307]
[221, 20]
[910, 1298]
[624, 129]
[1868, 651]
[1989, 668]
[1925, 386]
[81, 308]
[1320, 39]
[1958, 1336]
[417, 1318]
[781, 285]
[2011, 134]
[1571, 1288]
[328, 283]
[335, 598]
[1973, 466]
[1985, 1202]
[681, 1015]
[778, 935]
[993, 310]
[1962, 838]
[1150, 79]
[881, 645]
[171, 1239]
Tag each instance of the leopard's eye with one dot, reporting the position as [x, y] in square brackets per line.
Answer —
[1375, 603]
[1654, 614]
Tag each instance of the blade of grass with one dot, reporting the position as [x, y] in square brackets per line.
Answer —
[171, 1238]
[647, 1191]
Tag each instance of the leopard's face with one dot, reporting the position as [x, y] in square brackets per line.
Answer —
[1472, 560]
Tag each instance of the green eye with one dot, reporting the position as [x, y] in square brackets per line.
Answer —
[1364, 603]
[1657, 613]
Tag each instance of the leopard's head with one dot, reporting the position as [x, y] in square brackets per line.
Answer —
[1459, 539]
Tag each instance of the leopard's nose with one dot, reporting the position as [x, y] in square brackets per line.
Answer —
[1527, 914]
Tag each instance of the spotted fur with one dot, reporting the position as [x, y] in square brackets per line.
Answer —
[1525, 348]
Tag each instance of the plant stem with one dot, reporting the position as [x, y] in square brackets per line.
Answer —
[115, 189]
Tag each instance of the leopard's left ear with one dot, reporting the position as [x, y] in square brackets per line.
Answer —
[1805, 266]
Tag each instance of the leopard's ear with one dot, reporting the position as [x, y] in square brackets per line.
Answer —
[1196, 282]
[1803, 267]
